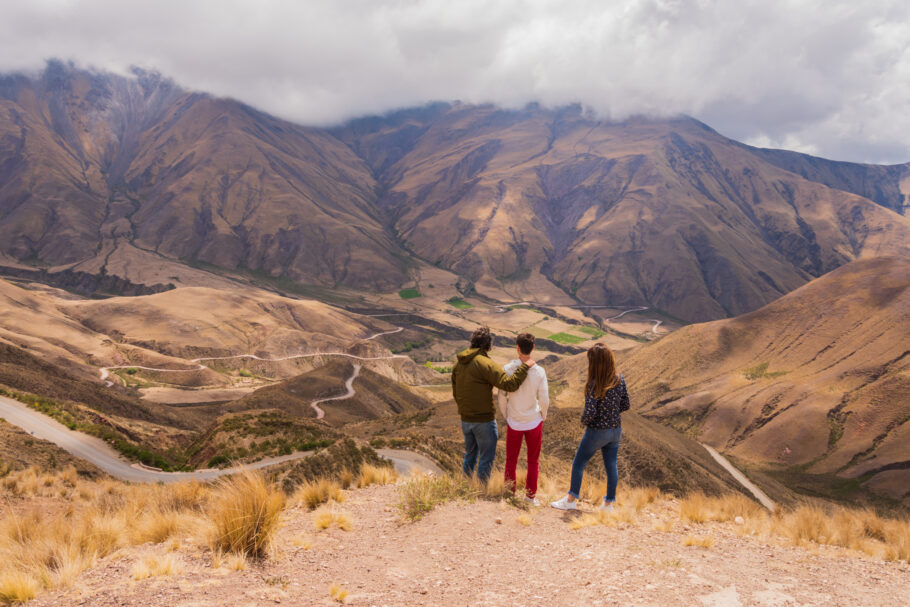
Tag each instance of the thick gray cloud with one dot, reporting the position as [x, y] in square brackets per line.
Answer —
[828, 77]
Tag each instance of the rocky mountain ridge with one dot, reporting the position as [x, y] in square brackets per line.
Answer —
[107, 174]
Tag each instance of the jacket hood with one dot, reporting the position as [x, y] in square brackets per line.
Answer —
[466, 356]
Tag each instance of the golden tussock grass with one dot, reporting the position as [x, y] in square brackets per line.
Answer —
[235, 562]
[326, 517]
[861, 530]
[18, 587]
[245, 513]
[313, 494]
[338, 593]
[302, 541]
[376, 475]
[525, 519]
[423, 492]
[52, 546]
[154, 565]
[700, 508]
[704, 541]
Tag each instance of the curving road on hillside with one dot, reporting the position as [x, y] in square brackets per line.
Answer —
[741, 478]
[106, 371]
[349, 392]
[99, 453]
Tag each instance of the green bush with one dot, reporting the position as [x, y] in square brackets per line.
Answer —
[409, 293]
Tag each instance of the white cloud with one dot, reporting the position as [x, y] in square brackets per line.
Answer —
[830, 76]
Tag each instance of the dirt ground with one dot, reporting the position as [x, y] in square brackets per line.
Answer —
[481, 554]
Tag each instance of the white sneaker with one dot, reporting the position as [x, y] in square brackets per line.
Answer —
[563, 503]
[533, 501]
[606, 507]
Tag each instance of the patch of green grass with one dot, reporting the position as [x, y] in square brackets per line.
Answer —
[430, 365]
[760, 371]
[566, 338]
[244, 373]
[457, 302]
[592, 331]
[409, 293]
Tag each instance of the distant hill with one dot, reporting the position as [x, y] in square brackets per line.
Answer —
[816, 383]
[375, 395]
[137, 179]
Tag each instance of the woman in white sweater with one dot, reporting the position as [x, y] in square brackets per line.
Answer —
[525, 410]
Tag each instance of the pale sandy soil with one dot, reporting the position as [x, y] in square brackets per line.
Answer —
[480, 554]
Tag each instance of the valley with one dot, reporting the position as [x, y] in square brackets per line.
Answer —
[189, 285]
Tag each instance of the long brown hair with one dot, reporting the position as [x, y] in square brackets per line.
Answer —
[601, 370]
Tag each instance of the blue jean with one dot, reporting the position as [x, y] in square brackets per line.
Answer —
[607, 441]
[479, 439]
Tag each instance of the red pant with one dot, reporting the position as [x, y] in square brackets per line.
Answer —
[513, 448]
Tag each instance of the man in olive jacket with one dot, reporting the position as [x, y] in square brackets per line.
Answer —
[473, 378]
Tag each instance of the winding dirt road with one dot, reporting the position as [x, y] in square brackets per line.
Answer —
[349, 386]
[760, 495]
[99, 453]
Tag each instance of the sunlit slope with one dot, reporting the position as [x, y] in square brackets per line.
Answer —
[818, 379]
[666, 213]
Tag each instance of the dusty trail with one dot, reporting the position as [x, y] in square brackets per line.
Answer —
[349, 387]
[760, 495]
[105, 371]
[99, 453]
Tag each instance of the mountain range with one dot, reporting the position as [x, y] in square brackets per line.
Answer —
[112, 175]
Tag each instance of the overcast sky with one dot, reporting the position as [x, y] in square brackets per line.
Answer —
[827, 77]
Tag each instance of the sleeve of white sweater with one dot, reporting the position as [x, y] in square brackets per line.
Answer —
[543, 395]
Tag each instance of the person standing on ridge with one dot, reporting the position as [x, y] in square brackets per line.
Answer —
[525, 411]
[606, 397]
[473, 378]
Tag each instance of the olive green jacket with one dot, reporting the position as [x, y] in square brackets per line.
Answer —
[473, 379]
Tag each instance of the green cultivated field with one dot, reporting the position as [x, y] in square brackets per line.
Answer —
[567, 338]
[459, 303]
[409, 293]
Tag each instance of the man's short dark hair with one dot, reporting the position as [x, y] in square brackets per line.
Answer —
[482, 339]
[525, 343]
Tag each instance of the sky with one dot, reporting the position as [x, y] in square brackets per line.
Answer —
[825, 77]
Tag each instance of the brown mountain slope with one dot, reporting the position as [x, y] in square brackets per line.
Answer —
[660, 212]
[374, 395]
[91, 163]
[818, 380]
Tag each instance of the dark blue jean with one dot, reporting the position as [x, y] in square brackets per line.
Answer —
[607, 441]
[479, 440]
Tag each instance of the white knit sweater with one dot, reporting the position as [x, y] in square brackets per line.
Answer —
[532, 399]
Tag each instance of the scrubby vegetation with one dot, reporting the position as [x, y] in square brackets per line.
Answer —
[760, 371]
[594, 332]
[89, 422]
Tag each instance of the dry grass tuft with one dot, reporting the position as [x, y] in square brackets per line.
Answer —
[326, 517]
[525, 519]
[662, 526]
[699, 508]
[704, 541]
[245, 514]
[152, 566]
[313, 494]
[338, 593]
[376, 475]
[18, 587]
[236, 562]
[424, 492]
